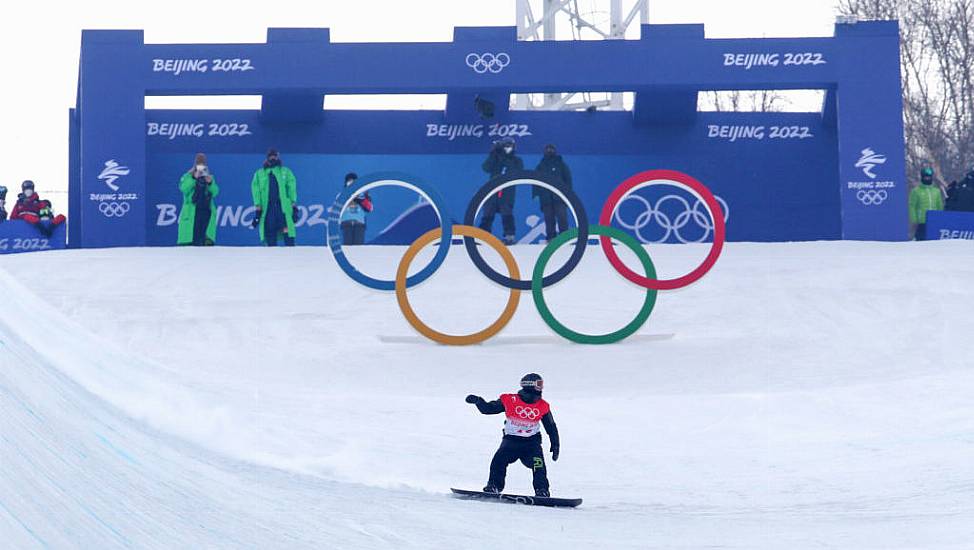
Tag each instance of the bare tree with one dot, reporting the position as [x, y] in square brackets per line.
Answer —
[744, 100]
[937, 65]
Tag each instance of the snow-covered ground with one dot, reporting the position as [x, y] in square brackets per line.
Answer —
[814, 395]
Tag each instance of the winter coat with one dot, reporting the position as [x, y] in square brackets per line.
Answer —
[187, 215]
[357, 209]
[924, 198]
[26, 205]
[288, 187]
[960, 196]
[499, 163]
[555, 172]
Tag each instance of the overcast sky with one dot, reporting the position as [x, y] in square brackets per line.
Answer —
[40, 43]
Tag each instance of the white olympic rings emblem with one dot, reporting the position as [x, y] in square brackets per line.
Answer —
[673, 226]
[527, 412]
[483, 62]
[114, 209]
[872, 197]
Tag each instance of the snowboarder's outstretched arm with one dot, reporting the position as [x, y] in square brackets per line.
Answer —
[548, 422]
[486, 407]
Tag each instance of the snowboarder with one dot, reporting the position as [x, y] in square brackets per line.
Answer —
[526, 412]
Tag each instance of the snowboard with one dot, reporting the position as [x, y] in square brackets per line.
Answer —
[518, 499]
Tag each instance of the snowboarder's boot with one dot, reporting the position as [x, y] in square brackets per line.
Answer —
[542, 494]
[491, 489]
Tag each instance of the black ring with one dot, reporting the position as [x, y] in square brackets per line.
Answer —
[581, 220]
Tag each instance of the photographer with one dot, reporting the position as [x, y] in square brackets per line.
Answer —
[353, 218]
[501, 161]
[197, 218]
[275, 193]
[923, 198]
[3, 204]
[554, 209]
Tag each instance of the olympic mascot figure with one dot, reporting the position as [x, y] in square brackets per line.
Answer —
[526, 412]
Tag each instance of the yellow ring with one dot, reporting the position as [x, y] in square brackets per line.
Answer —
[450, 339]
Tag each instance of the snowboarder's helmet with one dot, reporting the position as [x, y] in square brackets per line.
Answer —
[532, 383]
[26, 185]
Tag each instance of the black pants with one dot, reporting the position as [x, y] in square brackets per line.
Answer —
[921, 232]
[353, 233]
[200, 223]
[555, 218]
[496, 205]
[271, 238]
[528, 451]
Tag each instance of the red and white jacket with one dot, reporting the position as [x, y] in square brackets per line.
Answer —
[523, 419]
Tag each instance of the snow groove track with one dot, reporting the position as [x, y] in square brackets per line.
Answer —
[75, 472]
[816, 395]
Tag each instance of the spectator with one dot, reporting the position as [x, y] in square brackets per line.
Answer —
[197, 218]
[3, 204]
[47, 222]
[555, 172]
[28, 204]
[501, 161]
[923, 198]
[275, 192]
[353, 217]
[960, 195]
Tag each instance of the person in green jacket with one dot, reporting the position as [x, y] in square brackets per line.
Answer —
[197, 218]
[275, 192]
[923, 198]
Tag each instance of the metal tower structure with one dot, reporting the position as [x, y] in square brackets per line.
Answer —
[541, 19]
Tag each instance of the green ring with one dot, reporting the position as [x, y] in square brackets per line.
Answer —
[537, 290]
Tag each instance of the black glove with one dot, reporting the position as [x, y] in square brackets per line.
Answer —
[474, 398]
[256, 221]
[554, 453]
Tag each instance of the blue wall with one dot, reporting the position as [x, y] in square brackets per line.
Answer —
[783, 176]
[778, 188]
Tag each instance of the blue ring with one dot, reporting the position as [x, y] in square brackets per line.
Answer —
[578, 210]
[397, 179]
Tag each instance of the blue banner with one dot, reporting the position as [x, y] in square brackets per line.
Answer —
[944, 225]
[19, 236]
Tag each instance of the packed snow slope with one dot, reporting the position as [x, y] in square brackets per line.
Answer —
[813, 395]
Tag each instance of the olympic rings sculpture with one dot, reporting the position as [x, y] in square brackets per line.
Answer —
[538, 281]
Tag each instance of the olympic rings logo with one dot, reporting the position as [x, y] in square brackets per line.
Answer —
[538, 281]
[481, 63]
[671, 226]
[871, 197]
[114, 209]
[527, 412]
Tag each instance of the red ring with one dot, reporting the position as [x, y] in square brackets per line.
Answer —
[716, 214]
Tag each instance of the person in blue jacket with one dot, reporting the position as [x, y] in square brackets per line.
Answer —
[353, 217]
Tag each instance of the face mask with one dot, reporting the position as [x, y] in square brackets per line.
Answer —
[28, 192]
[508, 150]
[200, 167]
[349, 182]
